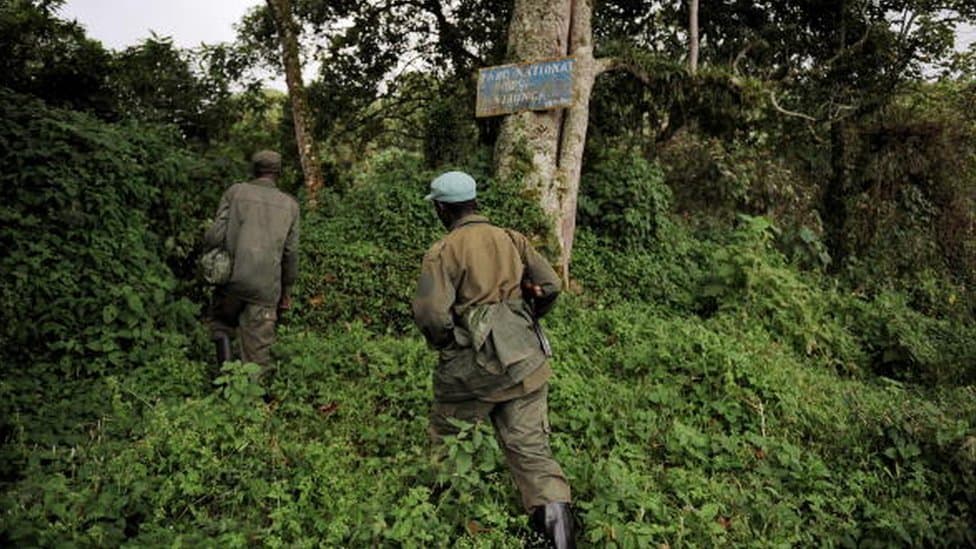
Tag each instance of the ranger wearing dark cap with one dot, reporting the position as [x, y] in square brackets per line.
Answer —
[481, 290]
[257, 224]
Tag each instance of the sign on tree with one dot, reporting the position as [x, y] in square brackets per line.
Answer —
[536, 86]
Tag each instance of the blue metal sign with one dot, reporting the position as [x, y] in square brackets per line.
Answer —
[535, 86]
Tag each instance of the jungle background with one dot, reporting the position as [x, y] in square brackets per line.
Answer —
[769, 337]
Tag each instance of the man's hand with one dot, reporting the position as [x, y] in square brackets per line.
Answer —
[530, 289]
[284, 303]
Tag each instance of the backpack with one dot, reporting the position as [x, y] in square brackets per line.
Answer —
[216, 266]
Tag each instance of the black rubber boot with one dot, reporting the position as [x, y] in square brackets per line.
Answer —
[222, 343]
[554, 521]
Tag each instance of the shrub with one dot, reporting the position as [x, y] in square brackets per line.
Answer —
[709, 431]
[749, 277]
[624, 200]
[715, 179]
[362, 251]
[91, 215]
[672, 428]
[667, 271]
[903, 343]
[911, 187]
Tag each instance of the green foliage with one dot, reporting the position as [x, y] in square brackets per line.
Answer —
[362, 250]
[450, 136]
[52, 59]
[90, 215]
[667, 271]
[729, 435]
[154, 81]
[750, 277]
[49, 58]
[624, 201]
[906, 344]
[848, 331]
[96, 221]
[627, 245]
[718, 178]
[913, 190]
[672, 429]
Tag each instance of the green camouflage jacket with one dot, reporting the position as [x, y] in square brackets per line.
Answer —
[258, 225]
[469, 306]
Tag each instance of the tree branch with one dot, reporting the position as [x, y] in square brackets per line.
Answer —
[605, 64]
[741, 55]
[772, 97]
[853, 47]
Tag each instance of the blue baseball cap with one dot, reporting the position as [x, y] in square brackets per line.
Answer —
[452, 187]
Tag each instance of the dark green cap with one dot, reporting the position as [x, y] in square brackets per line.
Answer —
[266, 162]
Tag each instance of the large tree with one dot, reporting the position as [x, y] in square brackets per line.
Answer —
[817, 62]
[386, 66]
[552, 141]
[287, 30]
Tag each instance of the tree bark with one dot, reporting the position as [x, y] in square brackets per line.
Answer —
[307, 150]
[538, 30]
[572, 140]
[693, 36]
[546, 148]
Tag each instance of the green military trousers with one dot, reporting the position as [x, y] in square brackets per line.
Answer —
[257, 333]
[522, 429]
[254, 325]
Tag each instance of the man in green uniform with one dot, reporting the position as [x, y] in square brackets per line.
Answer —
[470, 307]
[257, 224]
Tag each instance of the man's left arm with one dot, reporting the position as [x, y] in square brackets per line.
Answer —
[289, 260]
[540, 282]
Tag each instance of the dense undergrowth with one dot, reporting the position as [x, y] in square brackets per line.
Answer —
[708, 391]
[671, 428]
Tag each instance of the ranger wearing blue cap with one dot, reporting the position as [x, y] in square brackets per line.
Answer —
[480, 292]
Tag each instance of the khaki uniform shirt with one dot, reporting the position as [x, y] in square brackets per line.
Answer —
[469, 306]
[258, 225]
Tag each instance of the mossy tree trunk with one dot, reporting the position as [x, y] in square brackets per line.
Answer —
[693, 36]
[547, 147]
[307, 151]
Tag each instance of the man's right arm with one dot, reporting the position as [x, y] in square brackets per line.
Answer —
[216, 235]
[433, 301]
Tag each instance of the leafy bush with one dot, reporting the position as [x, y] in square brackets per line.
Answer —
[96, 222]
[623, 199]
[911, 188]
[672, 429]
[362, 250]
[91, 214]
[715, 179]
[667, 271]
[627, 246]
[749, 277]
[906, 344]
[729, 437]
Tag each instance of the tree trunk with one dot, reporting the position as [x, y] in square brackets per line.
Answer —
[693, 36]
[307, 151]
[833, 210]
[572, 141]
[546, 148]
[528, 142]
